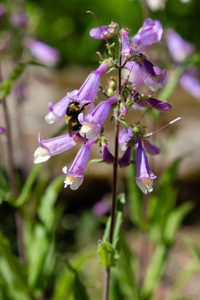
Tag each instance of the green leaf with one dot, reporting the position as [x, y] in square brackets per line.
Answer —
[46, 210]
[174, 221]
[28, 186]
[6, 85]
[69, 285]
[117, 226]
[118, 222]
[37, 254]
[15, 265]
[193, 249]
[154, 271]
[107, 254]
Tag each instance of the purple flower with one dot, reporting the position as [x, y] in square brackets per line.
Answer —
[150, 148]
[58, 110]
[126, 158]
[18, 19]
[151, 32]
[88, 91]
[178, 47]
[2, 129]
[158, 104]
[106, 31]
[74, 176]
[92, 123]
[153, 74]
[43, 52]
[55, 146]
[190, 82]
[107, 156]
[2, 10]
[144, 177]
[124, 137]
[100, 208]
[127, 49]
[133, 73]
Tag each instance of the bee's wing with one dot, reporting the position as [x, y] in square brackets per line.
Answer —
[69, 124]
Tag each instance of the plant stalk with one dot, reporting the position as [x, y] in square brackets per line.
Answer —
[115, 174]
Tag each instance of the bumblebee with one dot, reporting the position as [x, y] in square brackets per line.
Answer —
[72, 113]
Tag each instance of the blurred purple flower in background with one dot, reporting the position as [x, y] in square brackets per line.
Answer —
[178, 47]
[190, 82]
[43, 52]
[2, 129]
[18, 19]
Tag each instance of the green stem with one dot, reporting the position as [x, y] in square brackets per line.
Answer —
[115, 173]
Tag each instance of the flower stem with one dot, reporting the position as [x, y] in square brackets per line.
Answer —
[114, 195]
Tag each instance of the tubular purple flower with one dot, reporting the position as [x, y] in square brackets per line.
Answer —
[145, 177]
[74, 176]
[43, 52]
[148, 68]
[132, 71]
[127, 49]
[158, 104]
[92, 123]
[151, 32]
[96, 33]
[190, 82]
[107, 156]
[124, 137]
[126, 158]
[150, 148]
[88, 91]
[58, 110]
[108, 31]
[178, 47]
[55, 146]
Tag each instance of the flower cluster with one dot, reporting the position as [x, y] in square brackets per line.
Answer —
[85, 118]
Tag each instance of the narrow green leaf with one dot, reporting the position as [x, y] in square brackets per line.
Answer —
[107, 254]
[28, 186]
[64, 286]
[154, 271]
[193, 249]
[37, 255]
[13, 262]
[6, 85]
[118, 222]
[174, 221]
[46, 210]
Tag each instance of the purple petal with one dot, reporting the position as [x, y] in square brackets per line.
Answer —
[150, 148]
[126, 158]
[43, 52]
[190, 83]
[107, 156]
[178, 47]
[159, 105]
